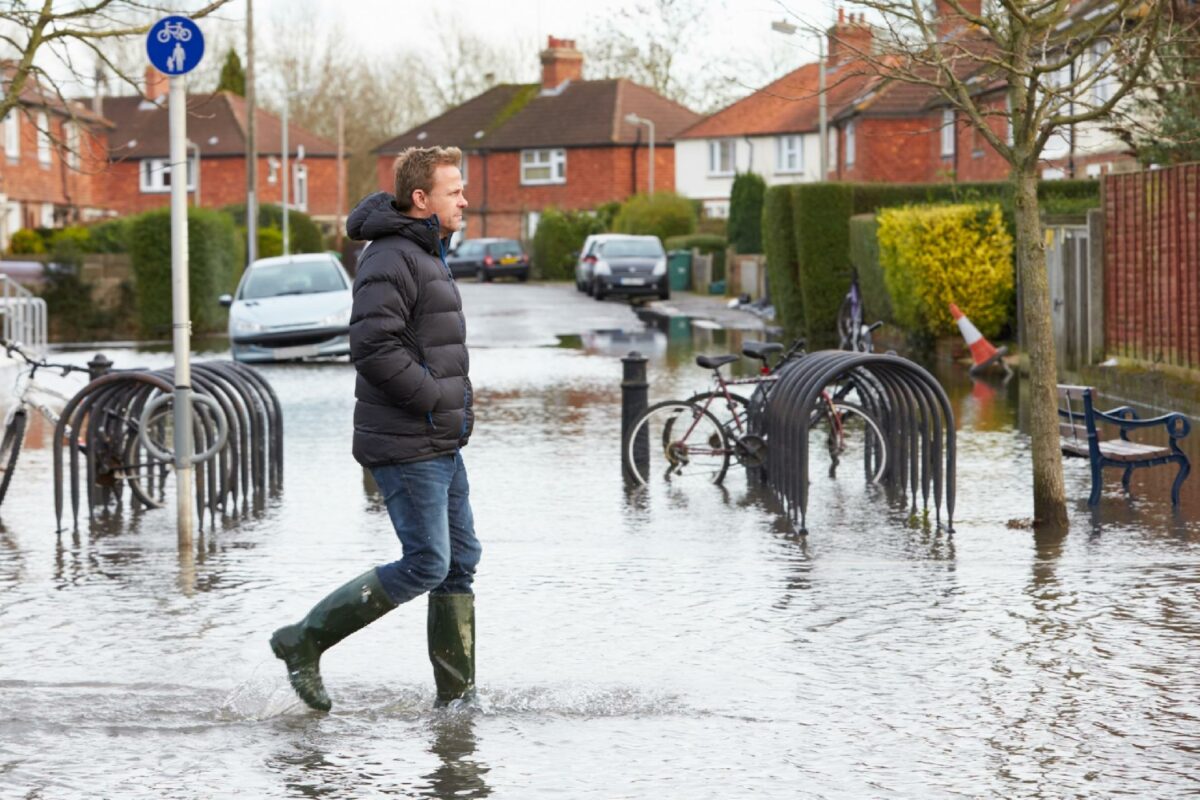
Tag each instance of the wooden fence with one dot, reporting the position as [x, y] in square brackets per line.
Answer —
[1152, 265]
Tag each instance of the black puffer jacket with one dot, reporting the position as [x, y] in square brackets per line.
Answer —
[407, 341]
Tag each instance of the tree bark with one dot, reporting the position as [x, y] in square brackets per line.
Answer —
[1049, 493]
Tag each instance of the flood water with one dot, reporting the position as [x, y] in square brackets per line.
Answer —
[681, 644]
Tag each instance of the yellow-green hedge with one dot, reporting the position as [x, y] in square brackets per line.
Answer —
[933, 256]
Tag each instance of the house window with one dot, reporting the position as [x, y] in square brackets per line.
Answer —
[299, 187]
[543, 166]
[832, 149]
[272, 170]
[1103, 86]
[155, 175]
[716, 209]
[463, 169]
[532, 219]
[43, 137]
[71, 134]
[12, 135]
[46, 220]
[850, 145]
[789, 154]
[947, 133]
[722, 156]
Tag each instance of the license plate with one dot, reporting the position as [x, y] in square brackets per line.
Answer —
[299, 351]
[508, 260]
[633, 282]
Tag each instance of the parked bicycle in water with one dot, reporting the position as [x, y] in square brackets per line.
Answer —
[698, 438]
[853, 333]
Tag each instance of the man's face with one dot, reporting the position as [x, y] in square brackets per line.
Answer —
[445, 199]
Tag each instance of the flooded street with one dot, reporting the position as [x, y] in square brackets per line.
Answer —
[672, 644]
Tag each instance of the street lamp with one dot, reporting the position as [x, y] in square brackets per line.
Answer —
[634, 119]
[785, 27]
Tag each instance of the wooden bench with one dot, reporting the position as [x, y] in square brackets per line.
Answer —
[1078, 419]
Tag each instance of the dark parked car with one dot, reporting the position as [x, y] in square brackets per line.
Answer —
[630, 265]
[489, 258]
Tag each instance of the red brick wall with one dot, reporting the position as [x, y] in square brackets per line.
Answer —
[28, 181]
[595, 175]
[892, 150]
[222, 182]
[1152, 265]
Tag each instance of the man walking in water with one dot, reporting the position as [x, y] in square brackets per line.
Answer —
[412, 417]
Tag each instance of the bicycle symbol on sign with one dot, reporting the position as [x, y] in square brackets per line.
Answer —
[173, 30]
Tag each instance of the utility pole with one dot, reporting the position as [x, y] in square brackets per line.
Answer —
[287, 177]
[341, 177]
[251, 144]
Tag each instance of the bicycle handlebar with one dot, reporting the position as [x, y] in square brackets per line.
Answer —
[36, 364]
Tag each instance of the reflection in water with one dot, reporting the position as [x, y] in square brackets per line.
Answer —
[459, 773]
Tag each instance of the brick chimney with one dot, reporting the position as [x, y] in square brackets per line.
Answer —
[560, 62]
[949, 22]
[848, 38]
[157, 84]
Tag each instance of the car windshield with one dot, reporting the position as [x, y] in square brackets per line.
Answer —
[297, 277]
[504, 249]
[632, 248]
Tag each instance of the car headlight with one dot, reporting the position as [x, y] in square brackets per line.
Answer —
[660, 267]
[602, 268]
[243, 325]
[339, 320]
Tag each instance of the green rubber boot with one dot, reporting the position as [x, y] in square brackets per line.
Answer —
[343, 611]
[452, 645]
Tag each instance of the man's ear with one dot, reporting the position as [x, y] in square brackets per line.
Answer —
[419, 198]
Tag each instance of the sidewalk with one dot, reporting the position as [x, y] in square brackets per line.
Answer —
[710, 311]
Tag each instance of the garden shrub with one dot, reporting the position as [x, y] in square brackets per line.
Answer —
[864, 257]
[304, 234]
[936, 255]
[26, 243]
[558, 240]
[704, 242]
[779, 246]
[215, 257]
[662, 214]
[821, 214]
[110, 236]
[745, 212]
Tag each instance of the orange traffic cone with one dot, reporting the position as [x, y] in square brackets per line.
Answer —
[982, 351]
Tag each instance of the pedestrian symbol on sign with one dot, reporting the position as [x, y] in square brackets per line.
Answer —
[175, 45]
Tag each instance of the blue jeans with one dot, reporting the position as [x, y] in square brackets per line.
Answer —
[430, 506]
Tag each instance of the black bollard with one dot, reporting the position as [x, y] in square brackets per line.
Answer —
[98, 366]
[634, 394]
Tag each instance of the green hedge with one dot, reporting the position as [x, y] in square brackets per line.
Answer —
[215, 257]
[304, 234]
[662, 214]
[704, 242]
[864, 257]
[558, 240]
[110, 236]
[745, 212]
[779, 246]
[821, 215]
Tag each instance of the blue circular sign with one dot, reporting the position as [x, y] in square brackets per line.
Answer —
[175, 45]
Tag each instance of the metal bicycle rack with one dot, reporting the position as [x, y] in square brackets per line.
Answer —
[909, 405]
[117, 426]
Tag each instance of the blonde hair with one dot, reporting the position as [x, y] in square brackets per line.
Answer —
[413, 169]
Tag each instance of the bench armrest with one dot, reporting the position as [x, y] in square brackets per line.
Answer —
[1125, 418]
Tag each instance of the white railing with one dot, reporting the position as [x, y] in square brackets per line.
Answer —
[23, 314]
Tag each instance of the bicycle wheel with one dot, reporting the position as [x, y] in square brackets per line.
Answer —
[848, 433]
[732, 412]
[10, 448]
[677, 442]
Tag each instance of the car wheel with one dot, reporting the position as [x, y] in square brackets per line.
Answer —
[598, 290]
[664, 291]
[588, 288]
[523, 276]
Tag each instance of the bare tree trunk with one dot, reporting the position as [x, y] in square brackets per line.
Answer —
[1049, 493]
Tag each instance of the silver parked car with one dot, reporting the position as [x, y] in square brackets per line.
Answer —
[291, 307]
[630, 265]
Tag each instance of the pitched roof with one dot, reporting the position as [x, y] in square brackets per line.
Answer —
[216, 122]
[577, 114]
[790, 104]
[35, 95]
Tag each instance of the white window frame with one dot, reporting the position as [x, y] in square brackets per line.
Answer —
[153, 172]
[789, 154]
[72, 138]
[1102, 87]
[463, 169]
[43, 138]
[850, 143]
[46, 215]
[949, 139]
[299, 198]
[552, 159]
[12, 135]
[720, 150]
[831, 146]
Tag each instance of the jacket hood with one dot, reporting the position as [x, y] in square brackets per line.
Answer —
[376, 216]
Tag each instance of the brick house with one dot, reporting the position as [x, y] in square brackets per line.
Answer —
[54, 157]
[564, 143]
[139, 148]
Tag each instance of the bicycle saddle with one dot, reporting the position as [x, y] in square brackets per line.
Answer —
[761, 350]
[715, 362]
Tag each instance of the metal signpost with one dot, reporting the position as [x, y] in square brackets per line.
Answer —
[175, 46]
